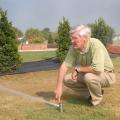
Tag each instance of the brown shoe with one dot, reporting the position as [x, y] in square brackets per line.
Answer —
[102, 91]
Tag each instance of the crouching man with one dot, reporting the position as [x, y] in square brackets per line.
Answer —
[93, 68]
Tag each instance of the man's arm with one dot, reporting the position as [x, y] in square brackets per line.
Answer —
[59, 85]
[82, 70]
[85, 70]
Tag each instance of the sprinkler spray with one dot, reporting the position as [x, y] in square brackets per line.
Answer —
[31, 98]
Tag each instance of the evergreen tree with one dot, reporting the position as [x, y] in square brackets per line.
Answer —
[9, 57]
[63, 39]
[102, 31]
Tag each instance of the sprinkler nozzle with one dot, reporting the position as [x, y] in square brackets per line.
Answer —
[60, 107]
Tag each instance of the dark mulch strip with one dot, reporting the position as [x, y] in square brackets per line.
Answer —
[114, 55]
[48, 64]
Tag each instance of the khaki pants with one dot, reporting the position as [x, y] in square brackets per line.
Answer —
[91, 83]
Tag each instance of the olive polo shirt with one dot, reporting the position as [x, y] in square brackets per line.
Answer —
[94, 55]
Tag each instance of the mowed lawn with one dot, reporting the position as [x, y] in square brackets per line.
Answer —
[42, 84]
[36, 56]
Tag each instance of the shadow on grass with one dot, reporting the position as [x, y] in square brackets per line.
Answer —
[67, 97]
[75, 99]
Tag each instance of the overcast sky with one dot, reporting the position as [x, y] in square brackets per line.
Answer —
[47, 13]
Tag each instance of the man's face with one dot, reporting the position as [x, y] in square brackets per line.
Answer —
[77, 41]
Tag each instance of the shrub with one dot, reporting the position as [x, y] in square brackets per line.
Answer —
[102, 31]
[63, 39]
[9, 57]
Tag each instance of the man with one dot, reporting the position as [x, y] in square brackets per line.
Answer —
[93, 68]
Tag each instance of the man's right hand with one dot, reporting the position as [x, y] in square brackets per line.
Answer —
[58, 93]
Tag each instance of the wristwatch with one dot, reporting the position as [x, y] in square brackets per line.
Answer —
[76, 69]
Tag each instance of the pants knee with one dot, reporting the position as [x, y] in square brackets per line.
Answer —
[88, 78]
[68, 81]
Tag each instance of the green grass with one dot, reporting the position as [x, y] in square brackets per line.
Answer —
[36, 56]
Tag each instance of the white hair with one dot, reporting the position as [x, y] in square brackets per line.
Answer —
[82, 29]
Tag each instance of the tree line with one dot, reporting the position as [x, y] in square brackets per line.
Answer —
[35, 35]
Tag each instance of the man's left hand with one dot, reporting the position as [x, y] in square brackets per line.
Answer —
[74, 75]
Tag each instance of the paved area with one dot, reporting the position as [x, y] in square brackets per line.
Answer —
[49, 49]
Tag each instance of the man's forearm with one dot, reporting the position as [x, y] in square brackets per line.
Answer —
[62, 72]
[85, 70]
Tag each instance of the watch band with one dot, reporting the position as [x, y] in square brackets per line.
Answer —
[76, 70]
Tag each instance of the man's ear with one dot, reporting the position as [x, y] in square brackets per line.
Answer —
[86, 37]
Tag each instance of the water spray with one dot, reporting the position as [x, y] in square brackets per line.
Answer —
[31, 98]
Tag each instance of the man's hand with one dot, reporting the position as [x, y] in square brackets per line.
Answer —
[58, 93]
[74, 75]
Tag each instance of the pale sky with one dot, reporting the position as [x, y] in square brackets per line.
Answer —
[47, 13]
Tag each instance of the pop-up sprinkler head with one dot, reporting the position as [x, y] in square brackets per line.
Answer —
[60, 107]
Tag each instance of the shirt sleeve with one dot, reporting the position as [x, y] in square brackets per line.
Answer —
[98, 60]
[70, 58]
